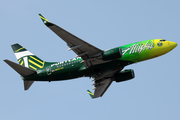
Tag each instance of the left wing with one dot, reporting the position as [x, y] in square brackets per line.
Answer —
[101, 87]
[83, 49]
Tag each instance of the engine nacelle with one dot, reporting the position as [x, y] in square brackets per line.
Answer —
[112, 54]
[124, 75]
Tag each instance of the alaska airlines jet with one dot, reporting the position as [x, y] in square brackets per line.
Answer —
[104, 66]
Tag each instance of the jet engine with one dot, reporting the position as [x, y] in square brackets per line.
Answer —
[112, 54]
[124, 75]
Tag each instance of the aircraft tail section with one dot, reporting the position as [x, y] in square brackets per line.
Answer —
[28, 63]
[23, 71]
[26, 58]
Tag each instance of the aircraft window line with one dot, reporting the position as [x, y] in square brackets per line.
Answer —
[72, 62]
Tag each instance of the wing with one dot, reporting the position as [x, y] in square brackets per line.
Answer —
[83, 49]
[101, 88]
[103, 82]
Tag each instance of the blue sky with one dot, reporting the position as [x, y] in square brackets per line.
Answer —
[152, 94]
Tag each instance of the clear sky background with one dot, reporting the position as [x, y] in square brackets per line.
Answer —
[152, 95]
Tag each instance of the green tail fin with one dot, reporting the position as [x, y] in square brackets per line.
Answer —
[91, 94]
[26, 58]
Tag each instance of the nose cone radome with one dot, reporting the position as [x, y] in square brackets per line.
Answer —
[172, 44]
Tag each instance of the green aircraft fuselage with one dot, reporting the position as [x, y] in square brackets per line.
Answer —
[74, 68]
[103, 66]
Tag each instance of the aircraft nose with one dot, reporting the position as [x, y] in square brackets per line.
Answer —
[172, 44]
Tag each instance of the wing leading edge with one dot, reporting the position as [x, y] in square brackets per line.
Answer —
[83, 49]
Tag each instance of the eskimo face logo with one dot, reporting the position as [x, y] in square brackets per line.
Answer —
[159, 44]
[48, 69]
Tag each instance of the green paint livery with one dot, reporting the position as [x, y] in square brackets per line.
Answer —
[104, 66]
[90, 93]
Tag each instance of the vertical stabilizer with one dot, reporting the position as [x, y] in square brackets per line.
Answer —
[28, 63]
[26, 58]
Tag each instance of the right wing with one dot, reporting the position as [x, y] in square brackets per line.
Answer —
[83, 49]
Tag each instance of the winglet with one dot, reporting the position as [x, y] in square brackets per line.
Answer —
[90, 93]
[45, 21]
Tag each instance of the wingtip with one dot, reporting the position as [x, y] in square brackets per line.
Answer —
[90, 93]
[5, 60]
[43, 19]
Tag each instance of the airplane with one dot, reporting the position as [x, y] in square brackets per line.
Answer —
[104, 66]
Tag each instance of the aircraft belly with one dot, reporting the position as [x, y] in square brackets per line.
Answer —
[100, 69]
[65, 73]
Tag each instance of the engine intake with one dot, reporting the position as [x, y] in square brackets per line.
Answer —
[124, 75]
[112, 54]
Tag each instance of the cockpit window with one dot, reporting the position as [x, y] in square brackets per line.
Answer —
[163, 40]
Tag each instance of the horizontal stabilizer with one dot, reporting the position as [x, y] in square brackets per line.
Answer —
[27, 84]
[23, 71]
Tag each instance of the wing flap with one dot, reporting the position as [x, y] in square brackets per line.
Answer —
[101, 88]
[103, 82]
